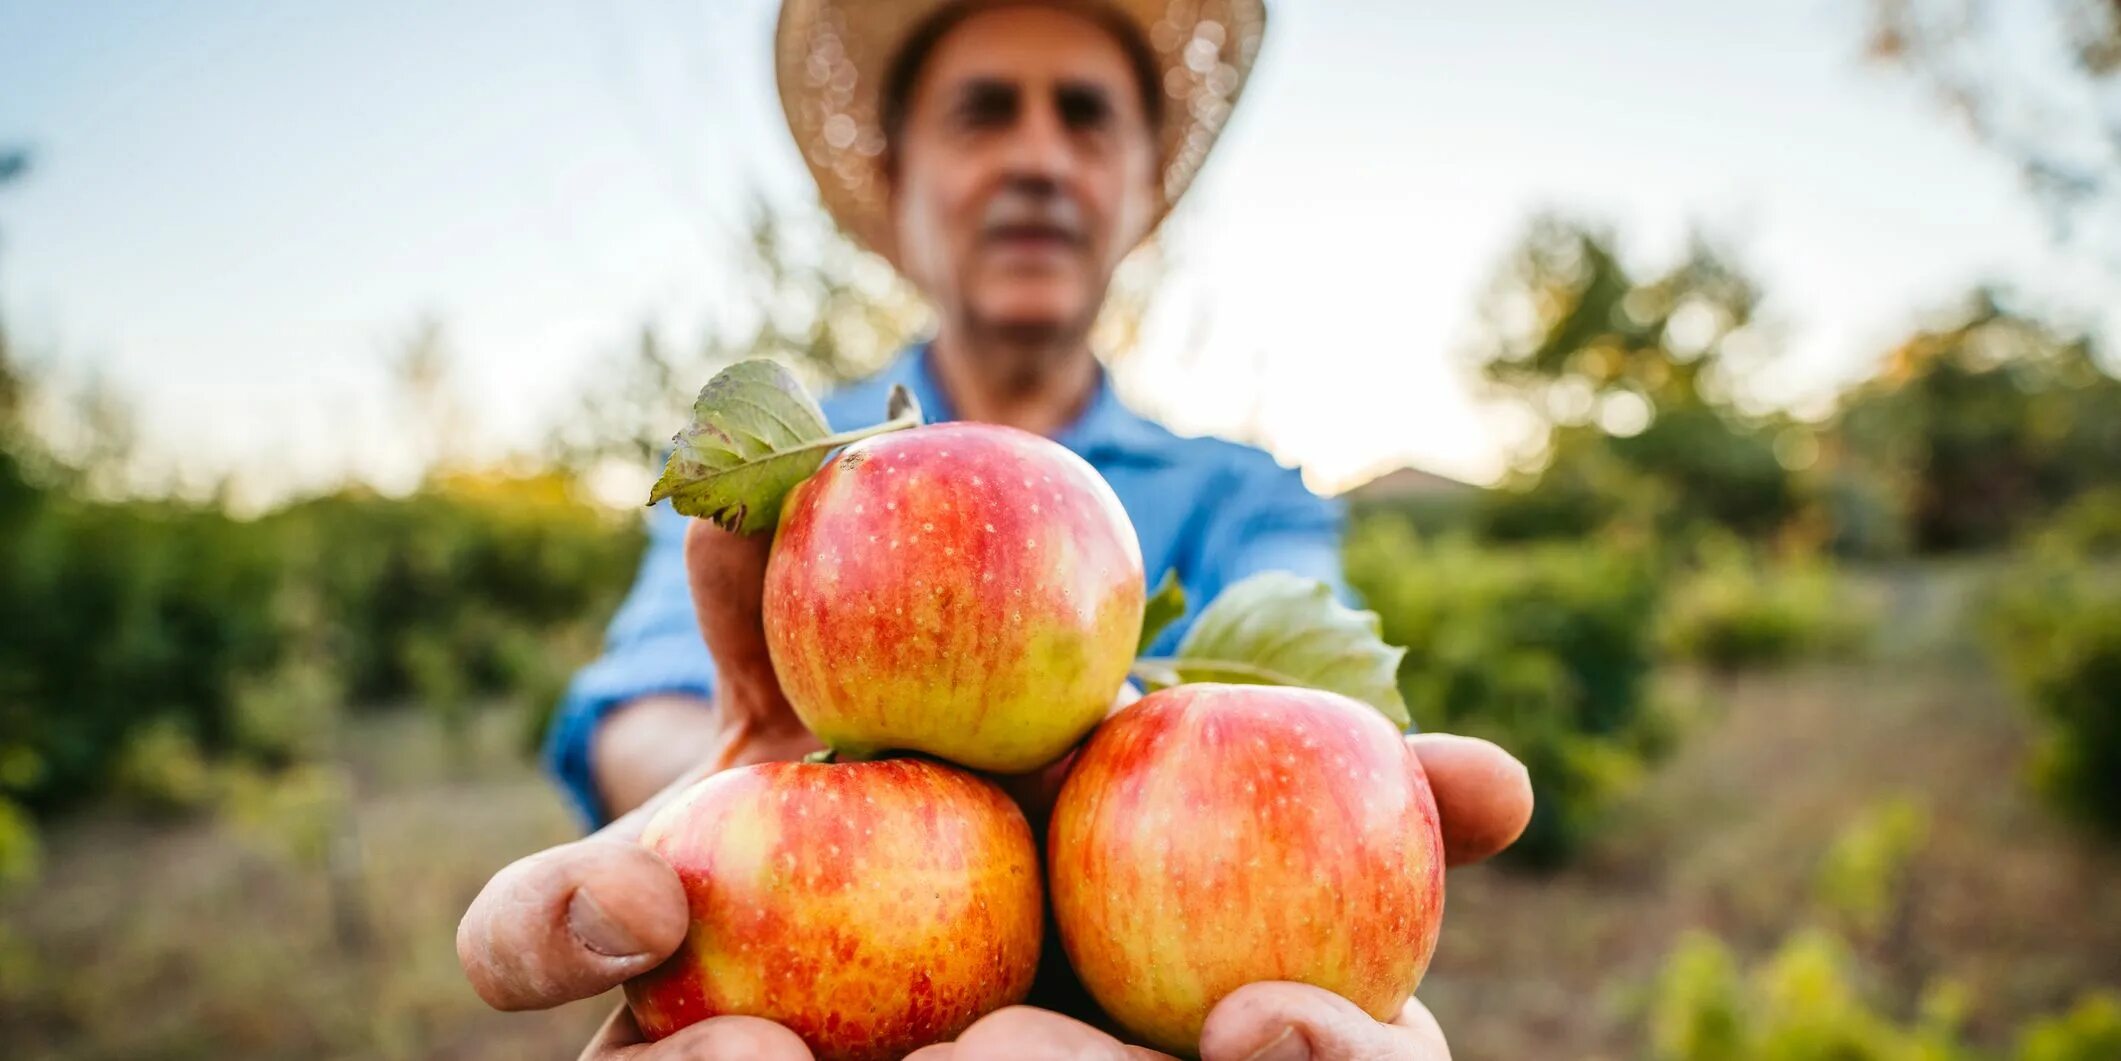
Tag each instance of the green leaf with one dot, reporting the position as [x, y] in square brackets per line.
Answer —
[755, 434]
[1282, 629]
[1163, 609]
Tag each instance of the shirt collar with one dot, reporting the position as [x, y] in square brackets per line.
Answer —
[1106, 431]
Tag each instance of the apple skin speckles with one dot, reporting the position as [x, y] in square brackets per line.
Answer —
[969, 616]
[1210, 836]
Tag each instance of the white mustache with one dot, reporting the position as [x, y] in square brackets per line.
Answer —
[1022, 210]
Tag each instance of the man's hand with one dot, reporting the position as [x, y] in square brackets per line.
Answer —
[641, 747]
[1257, 1022]
[749, 1038]
[577, 920]
[582, 918]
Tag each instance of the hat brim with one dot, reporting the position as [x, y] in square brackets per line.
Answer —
[831, 58]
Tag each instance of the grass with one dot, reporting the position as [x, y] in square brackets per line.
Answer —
[185, 940]
[1727, 837]
[153, 940]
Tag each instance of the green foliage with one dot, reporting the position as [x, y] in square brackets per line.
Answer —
[1737, 610]
[20, 852]
[1582, 490]
[829, 310]
[1166, 605]
[2088, 526]
[1860, 876]
[1805, 1003]
[141, 640]
[1983, 428]
[161, 768]
[1968, 435]
[1276, 628]
[1813, 1001]
[296, 814]
[2055, 627]
[1698, 1008]
[1808, 1002]
[2035, 83]
[1544, 649]
[425, 595]
[289, 714]
[1632, 382]
[2091, 1031]
[755, 435]
[114, 616]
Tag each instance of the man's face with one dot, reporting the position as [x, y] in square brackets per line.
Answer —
[1024, 170]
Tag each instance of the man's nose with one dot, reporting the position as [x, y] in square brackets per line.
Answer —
[1041, 149]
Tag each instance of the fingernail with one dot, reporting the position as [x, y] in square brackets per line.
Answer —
[597, 930]
[1290, 1045]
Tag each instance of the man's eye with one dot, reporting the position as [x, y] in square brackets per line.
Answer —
[1083, 108]
[987, 106]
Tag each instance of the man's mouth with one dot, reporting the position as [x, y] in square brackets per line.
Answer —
[1031, 236]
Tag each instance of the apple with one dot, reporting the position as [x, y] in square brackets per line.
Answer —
[872, 908]
[1210, 836]
[966, 590]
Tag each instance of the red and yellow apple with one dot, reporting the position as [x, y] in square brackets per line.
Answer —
[872, 908]
[966, 590]
[1211, 836]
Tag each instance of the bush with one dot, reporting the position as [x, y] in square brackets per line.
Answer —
[1804, 1003]
[2089, 1032]
[1983, 427]
[1861, 875]
[428, 596]
[1583, 491]
[118, 617]
[1807, 1002]
[1812, 1001]
[162, 769]
[295, 814]
[288, 715]
[141, 642]
[1543, 649]
[20, 853]
[1737, 610]
[2056, 630]
[2088, 526]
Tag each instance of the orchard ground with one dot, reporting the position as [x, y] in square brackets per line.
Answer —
[191, 939]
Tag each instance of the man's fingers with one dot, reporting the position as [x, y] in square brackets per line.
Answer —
[1483, 795]
[1277, 1021]
[1024, 1033]
[569, 923]
[1418, 1022]
[727, 572]
[713, 1039]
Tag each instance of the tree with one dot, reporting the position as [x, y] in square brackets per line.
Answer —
[1633, 384]
[809, 297]
[815, 300]
[1982, 426]
[2037, 82]
[16, 492]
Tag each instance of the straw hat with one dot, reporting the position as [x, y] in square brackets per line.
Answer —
[831, 58]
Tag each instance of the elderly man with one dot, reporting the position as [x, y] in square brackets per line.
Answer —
[1005, 156]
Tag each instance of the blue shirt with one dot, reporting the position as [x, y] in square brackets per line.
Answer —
[1213, 511]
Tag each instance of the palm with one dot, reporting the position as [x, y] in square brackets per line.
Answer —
[744, 743]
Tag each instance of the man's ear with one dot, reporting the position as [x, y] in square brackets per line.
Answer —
[887, 170]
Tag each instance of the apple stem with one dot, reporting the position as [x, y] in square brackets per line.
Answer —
[822, 755]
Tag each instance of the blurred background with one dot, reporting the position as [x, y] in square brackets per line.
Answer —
[1725, 397]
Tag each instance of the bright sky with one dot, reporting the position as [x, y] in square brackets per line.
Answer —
[235, 210]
